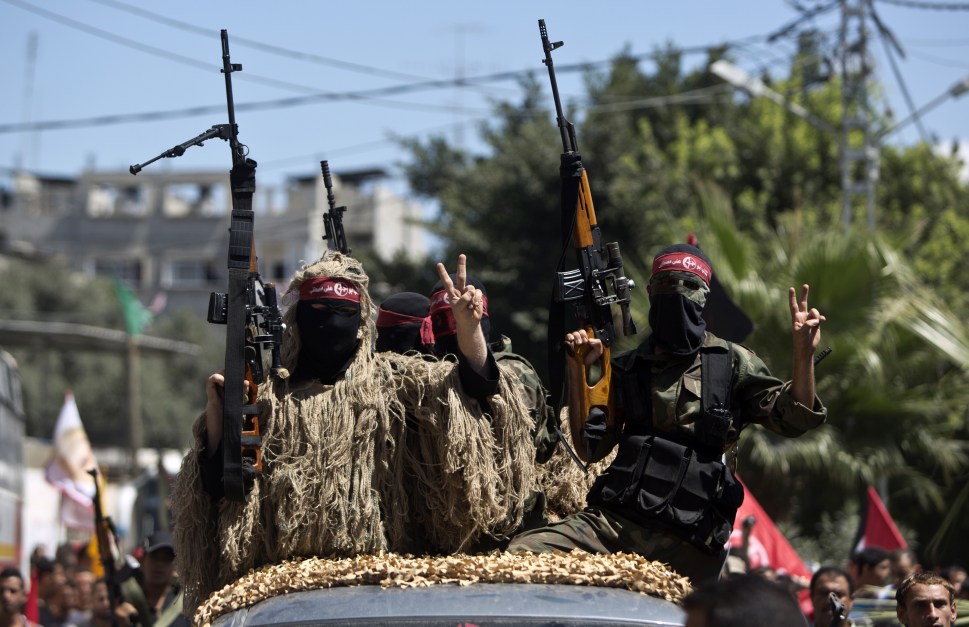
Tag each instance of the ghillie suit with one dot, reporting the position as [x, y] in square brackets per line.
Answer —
[356, 467]
[562, 480]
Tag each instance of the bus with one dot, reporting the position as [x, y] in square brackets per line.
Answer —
[12, 425]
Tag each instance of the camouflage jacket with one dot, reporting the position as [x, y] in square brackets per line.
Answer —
[674, 395]
[536, 397]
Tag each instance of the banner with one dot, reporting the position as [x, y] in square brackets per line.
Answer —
[67, 469]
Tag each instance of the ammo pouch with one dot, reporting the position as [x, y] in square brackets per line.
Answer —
[658, 482]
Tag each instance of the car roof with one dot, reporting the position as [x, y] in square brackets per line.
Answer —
[478, 604]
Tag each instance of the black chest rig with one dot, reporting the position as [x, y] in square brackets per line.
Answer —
[674, 479]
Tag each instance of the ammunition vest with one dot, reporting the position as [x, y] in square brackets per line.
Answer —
[674, 480]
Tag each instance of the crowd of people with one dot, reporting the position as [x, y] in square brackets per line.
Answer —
[875, 588]
[71, 590]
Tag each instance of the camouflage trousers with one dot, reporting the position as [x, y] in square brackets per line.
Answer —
[602, 531]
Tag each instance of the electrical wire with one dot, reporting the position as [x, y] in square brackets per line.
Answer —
[934, 6]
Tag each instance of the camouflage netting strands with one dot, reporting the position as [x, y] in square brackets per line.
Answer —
[393, 457]
[562, 480]
[613, 570]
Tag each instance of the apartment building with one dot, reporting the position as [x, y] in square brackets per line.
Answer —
[166, 233]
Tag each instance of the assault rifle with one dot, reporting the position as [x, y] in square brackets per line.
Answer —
[106, 536]
[596, 284]
[248, 308]
[333, 233]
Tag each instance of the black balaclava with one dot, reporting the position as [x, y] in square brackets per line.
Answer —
[442, 318]
[678, 289]
[328, 334]
[404, 325]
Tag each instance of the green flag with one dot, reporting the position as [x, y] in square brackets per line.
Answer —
[136, 317]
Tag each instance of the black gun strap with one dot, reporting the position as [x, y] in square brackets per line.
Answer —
[243, 178]
[716, 378]
[570, 171]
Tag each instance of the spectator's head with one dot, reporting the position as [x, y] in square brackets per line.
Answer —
[66, 556]
[83, 586]
[61, 596]
[101, 602]
[826, 581]
[872, 567]
[678, 289]
[404, 324]
[442, 319]
[742, 601]
[12, 594]
[925, 599]
[955, 574]
[84, 559]
[904, 563]
[158, 562]
[45, 569]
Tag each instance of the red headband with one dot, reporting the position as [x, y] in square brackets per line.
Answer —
[386, 318]
[684, 262]
[443, 321]
[328, 287]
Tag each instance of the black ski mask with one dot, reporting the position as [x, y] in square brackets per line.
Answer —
[403, 324]
[678, 291]
[328, 318]
[442, 319]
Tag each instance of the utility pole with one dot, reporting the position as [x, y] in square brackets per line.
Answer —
[859, 147]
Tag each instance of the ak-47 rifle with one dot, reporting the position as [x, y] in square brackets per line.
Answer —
[599, 280]
[333, 234]
[106, 536]
[249, 308]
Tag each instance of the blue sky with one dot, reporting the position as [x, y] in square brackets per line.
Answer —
[94, 58]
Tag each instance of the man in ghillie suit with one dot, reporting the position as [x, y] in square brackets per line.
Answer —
[362, 451]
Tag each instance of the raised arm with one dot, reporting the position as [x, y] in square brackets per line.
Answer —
[468, 307]
[806, 330]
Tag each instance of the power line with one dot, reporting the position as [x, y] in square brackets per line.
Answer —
[251, 43]
[940, 60]
[934, 6]
[264, 47]
[171, 56]
[365, 94]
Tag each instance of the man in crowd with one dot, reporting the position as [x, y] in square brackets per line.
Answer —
[12, 599]
[827, 581]
[742, 601]
[153, 596]
[904, 562]
[678, 402]
[871, 570]
[925, 600]
[101, 614]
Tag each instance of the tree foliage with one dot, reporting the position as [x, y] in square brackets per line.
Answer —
[172, 393]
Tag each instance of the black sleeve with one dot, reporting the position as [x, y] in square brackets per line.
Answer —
[479, 386]
[211, 469]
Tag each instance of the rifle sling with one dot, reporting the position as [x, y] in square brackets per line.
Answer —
[243, 181]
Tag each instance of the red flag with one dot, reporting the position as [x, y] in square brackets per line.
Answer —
[768, 546]
[876, 527]
[31, 609]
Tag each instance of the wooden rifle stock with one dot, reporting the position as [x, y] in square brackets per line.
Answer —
[599, 393]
